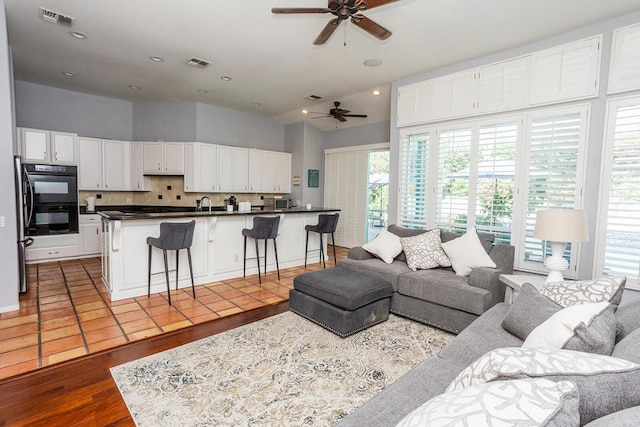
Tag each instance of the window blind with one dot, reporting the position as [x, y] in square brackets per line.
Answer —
[620, 253]
[413, 183]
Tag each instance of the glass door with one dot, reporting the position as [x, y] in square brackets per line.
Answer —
[377, 192]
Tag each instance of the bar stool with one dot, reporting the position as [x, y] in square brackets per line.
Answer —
[327, 224]
[263, 228]
[173, 236]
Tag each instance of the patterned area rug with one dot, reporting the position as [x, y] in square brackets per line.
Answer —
[284, 370]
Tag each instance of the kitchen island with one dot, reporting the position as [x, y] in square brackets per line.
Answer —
[217, 249]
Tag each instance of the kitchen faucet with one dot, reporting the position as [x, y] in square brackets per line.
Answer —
[201, 203]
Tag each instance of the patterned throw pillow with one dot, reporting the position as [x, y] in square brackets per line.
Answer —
[605, 384]
[568, 293]
[537, 402]
[585, 327]
[424, 251]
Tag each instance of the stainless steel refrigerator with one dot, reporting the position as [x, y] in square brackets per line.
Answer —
[21, 217]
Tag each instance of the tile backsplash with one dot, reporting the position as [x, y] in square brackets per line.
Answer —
[170, 188]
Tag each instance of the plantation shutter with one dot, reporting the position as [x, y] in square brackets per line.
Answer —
[556, 144]
[454, 163]
[414, 171]
[619, 248]
[496, 179]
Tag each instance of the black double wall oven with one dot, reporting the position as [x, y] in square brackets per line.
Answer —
[51, 199]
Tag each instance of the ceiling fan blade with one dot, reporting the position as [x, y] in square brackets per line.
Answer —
[342, 119]
[327, 31]
[354, 115]
[300, 10]
[370, 27]
[375, 3]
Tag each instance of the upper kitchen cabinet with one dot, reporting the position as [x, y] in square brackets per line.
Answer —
[256, 168]
[625, 60]
[43, 146]
[276, 172]
[163, 158]
[139, 182]
[233, 169]
[566, 72]
[201, 165]
[103, 164]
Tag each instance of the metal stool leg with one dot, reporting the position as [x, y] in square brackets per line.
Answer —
[265, 256]
[258, 261]
[333, 244]
[166, 274]
[306, 249]
[275, 249]
[244, 260]
[177, 264]
[322, 252]
[193, 286]
[149, 276]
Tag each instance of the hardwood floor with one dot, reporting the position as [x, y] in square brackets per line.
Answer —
[82, 392]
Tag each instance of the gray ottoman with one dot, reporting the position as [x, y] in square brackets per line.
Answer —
[342, 301]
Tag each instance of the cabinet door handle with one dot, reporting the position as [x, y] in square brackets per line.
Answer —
[56, 155]
[53, 253]
[44, 156]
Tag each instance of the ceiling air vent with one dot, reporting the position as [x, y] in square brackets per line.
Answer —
[56, 18]
[313, 97]
[197, 62]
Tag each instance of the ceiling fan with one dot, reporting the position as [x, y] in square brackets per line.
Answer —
[338, 113]
[344, 9]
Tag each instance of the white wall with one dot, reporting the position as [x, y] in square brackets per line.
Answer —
[8, 234]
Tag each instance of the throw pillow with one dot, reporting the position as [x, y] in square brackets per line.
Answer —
[586, 327]
[404, 232]
[537, 402]
[425, 251]
[528, 311]
[466, 253]
[385, 246]
[605, 384]
[567, 293]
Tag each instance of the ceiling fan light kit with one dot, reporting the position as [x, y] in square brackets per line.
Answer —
[343, 10]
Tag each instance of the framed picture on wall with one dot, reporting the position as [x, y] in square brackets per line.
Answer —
[313, 179]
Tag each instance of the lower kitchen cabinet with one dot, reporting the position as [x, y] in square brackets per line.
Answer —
[57, 247]
[90, 234]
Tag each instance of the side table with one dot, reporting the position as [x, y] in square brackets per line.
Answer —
[514, 283]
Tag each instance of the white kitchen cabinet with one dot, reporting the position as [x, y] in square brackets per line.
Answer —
[163, 158]
[37, 145]
[284, 172]
[56, 247]
[208, 164]
[233, 164]
[90, 228]
[225, 168]
[256, 168]
[277, 172]
[139, 182]
[191, 153]
[103, 165]
[241, 169]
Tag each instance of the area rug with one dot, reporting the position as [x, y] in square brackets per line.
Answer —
[284, 370]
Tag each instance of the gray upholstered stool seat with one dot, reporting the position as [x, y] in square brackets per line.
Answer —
[343, 301]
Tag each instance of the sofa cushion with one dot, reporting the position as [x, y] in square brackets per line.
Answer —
[528, 311]
[428, 379]
[628, 315]
[605, 384]
[445, 288]
[385, 246]
[574, 292]
[538, 402]
[424, 251]
[585, 327]
[483, 335]
[629, 347]
[390, 272]
[626, 418]
[466, 253]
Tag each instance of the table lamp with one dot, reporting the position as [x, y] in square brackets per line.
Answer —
[559, 227]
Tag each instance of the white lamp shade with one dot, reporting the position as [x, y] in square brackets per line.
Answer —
[561, 226]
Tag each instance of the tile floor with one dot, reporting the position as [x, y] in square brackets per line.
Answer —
[67, 313]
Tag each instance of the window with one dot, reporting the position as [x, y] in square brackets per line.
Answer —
[618, 242]
[556, 147]
[414, 167]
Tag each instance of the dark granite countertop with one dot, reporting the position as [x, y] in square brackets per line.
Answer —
[118, 215]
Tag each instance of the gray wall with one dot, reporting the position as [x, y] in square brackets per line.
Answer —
[8, 234]
[164, 121]
[313, 159]
[359, 135]
[45, 107]
[294, 144]
[596, 129]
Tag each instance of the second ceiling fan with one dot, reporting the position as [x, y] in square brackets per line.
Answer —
[343, 10]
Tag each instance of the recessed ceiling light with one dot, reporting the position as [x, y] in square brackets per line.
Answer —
[202, 91]
[156, 58]
[305, 111]
[373, 62]
[78, 35]
[134, 87]
[226, 78]
[69, 73]
[376, 92]
[256, 104]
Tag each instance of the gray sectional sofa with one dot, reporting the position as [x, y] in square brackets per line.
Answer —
[616, 400]
[438, 297]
